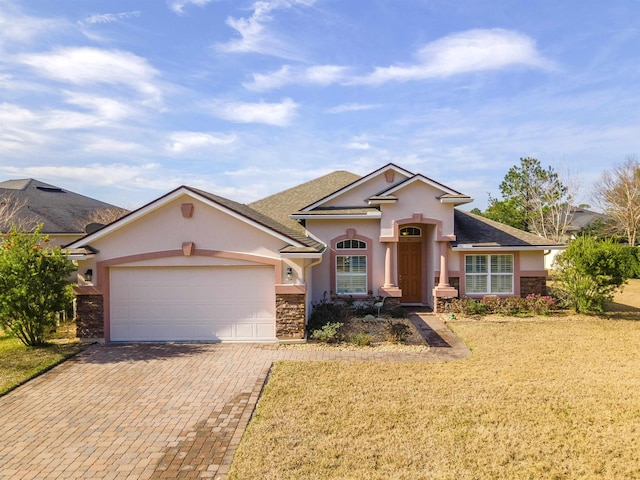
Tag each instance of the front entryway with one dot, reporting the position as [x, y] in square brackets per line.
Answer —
[410, 271]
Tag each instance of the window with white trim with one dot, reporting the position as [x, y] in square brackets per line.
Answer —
[351, 270]
[489, 274]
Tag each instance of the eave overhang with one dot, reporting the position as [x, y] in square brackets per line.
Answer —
[455, 199]
[491, 248]
[81, 253]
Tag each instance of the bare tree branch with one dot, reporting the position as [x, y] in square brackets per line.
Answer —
[14, 213]
[618, 194]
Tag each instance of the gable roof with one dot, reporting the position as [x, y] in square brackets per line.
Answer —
[60, 211]
[299, 243]
[473, 232]
[449, 195]
[267, 221]
[320, 201]
[282, 204]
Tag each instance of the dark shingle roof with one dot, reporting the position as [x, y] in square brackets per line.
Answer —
[59, 210]
[264, 220]
[479, 231]
[280, 205]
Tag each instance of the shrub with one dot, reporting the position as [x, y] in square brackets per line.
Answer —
[396, 331]
[589, 271]
[512, 306]
[468, 306]
[34, 285]
[362, 339]
[364, 309]
[324, 312]
[328, 333]
[398, 312]
[540, 304]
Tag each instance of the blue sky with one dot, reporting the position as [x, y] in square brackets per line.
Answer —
[126, 100]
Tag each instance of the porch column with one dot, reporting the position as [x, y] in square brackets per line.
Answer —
[444, 267]
[389, 289]
[443, 290]
[387, 266]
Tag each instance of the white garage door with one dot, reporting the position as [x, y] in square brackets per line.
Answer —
[192, 303]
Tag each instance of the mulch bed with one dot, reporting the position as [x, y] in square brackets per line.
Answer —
[376, 328]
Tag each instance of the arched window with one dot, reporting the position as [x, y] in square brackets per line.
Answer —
[351, 244]
[410, 232]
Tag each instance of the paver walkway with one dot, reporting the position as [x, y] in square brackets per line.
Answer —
[154, 411]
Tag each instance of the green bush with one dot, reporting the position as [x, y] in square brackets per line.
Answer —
[362, 339]
[468, 306]
[34, 285]
[396, 332]
[589, 271]
[328, 333]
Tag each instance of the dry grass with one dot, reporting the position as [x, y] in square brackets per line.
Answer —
[19, 363]
[542, 398]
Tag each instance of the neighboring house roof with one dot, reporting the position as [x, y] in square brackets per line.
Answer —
[60, 211]
[473, 231]
[582, 218]
[282, 204]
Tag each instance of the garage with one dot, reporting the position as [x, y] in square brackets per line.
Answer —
[235, 303]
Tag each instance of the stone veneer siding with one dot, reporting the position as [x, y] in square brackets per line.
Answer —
[441, 304]
[290, 316]
[89, 316]
[537, 285]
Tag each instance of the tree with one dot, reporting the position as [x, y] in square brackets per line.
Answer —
[12, 214]
[34, 285]
[618, 193]
[589, 271]
[534, 199]
[102, 216]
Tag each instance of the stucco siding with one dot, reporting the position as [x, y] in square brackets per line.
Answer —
[327, 231]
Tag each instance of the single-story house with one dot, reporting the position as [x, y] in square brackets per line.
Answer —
[194, 266]
[64, 215]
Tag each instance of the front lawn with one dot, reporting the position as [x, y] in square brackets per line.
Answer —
[539, 398]
[19, 363]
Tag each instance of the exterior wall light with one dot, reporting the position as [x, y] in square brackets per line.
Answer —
[88, 275]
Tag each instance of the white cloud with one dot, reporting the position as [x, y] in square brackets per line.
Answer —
[117, 174]
[469, 51]
[317, 75]
[351, 107]
[107, 108]
[278, 114]
[184, 141]
[17, 28]
[177, 6]
[85, 66]
[98, 18]
[358, 146]
[254, 36]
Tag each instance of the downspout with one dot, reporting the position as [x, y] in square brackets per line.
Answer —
[308, 305]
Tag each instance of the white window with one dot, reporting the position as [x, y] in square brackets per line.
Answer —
[489, 273]
[351, 270]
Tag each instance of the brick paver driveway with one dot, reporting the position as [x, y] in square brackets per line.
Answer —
[152, 410]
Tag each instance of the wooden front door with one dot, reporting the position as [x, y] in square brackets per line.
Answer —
[410, 271]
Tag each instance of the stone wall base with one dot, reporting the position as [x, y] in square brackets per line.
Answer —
[290, 316]
[536, 285]
[89, 313]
